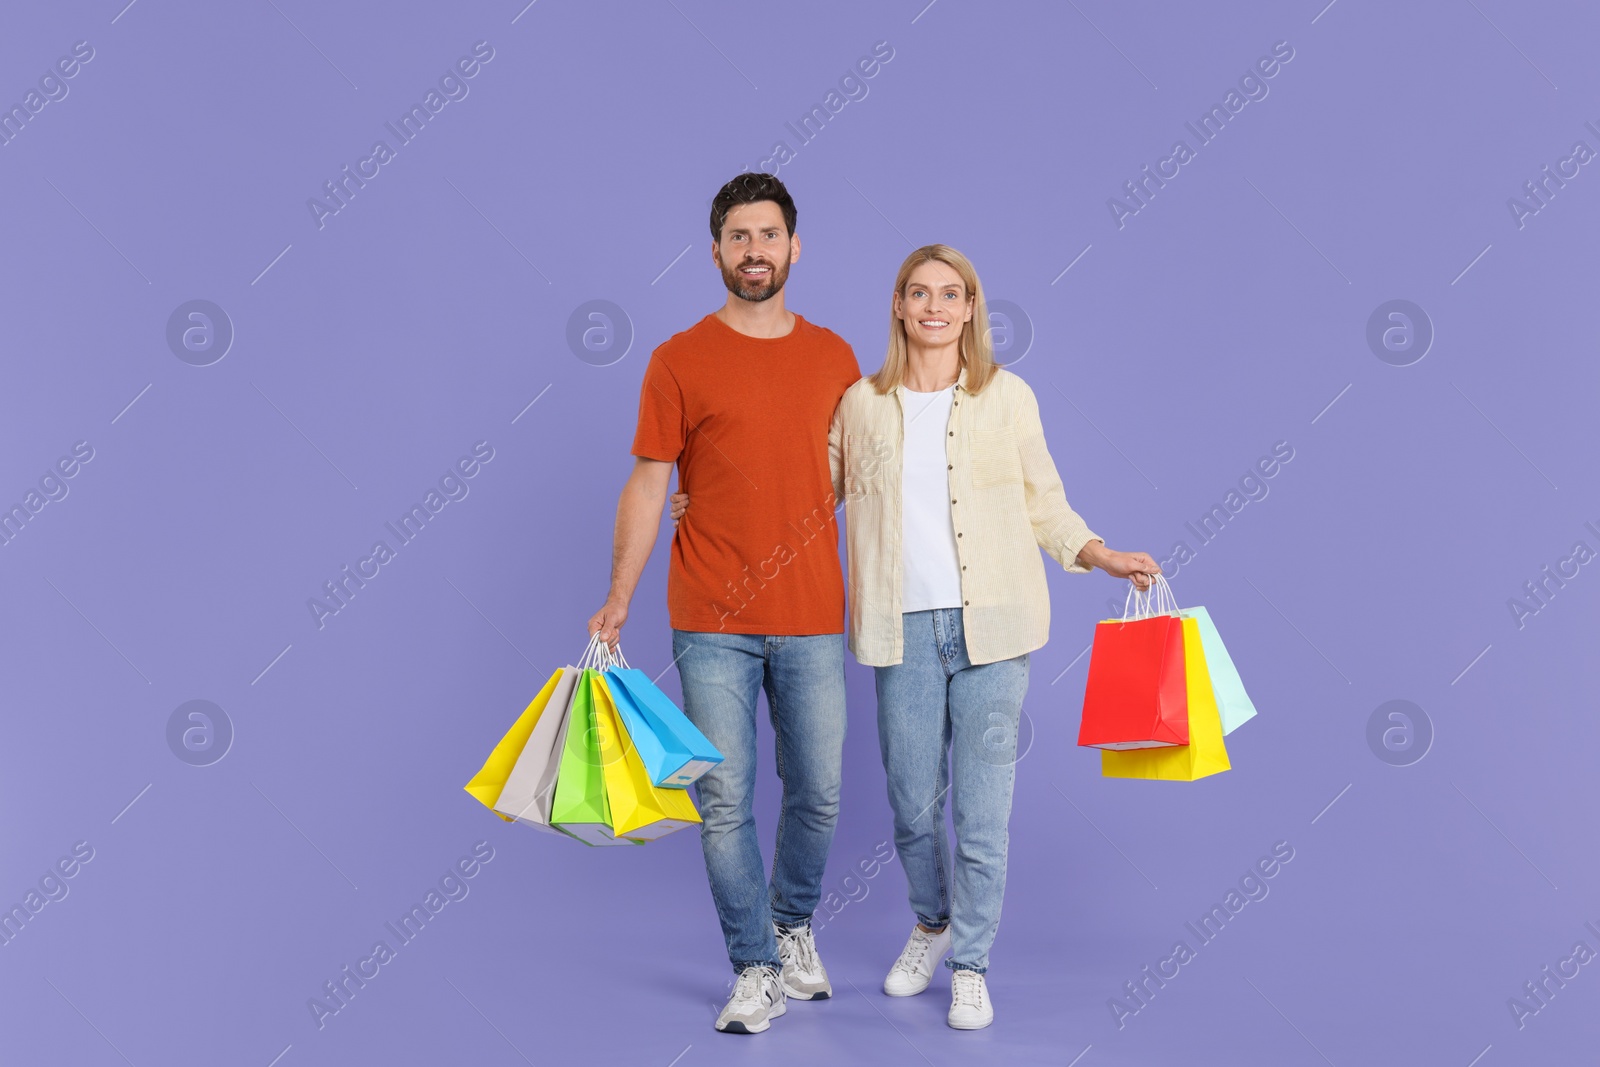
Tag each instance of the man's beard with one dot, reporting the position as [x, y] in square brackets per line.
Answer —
[741, 287]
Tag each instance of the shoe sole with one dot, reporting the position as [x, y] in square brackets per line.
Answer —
[969, 1026]
[737, 1027]
[797, 994]
[910, 992]
[741, 1028]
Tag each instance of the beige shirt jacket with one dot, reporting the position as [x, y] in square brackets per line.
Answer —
[1006, 502]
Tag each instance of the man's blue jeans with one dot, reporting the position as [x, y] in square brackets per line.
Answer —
[803, 677]
[947, 725]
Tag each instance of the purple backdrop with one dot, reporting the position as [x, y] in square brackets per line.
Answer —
[219, 393]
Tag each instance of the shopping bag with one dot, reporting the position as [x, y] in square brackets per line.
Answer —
[1205, 754]
[673, 750]
[636, 807]
[1135, 696]
[579, 805]
[1234, 706]
[490, 780]
[531, 786]
[663, 757]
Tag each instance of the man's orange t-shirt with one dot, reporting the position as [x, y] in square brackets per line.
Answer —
[746, 419]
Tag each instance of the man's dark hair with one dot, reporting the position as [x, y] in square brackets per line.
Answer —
[750, 188]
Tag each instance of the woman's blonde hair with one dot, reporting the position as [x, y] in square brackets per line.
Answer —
[976, 344]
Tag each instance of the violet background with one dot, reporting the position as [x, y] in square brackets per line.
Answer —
[431, 311]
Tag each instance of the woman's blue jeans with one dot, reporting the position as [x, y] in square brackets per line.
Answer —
[945, 725]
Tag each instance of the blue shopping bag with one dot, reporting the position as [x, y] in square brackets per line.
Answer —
[1233, 703]
[672, 749]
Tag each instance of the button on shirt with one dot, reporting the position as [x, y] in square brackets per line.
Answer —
[930, 565]
[1007, 502]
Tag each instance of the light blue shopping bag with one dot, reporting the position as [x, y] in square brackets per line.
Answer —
[1233, 703]
[673, 750]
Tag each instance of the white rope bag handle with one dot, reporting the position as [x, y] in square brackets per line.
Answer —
[1148, 603]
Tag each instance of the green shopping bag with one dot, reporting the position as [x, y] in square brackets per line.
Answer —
[579, 806]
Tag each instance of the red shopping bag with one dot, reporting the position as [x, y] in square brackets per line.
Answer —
[1206, 753]
[1136, 695]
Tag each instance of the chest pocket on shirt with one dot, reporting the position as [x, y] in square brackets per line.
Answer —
[865, 458]
[994, 458]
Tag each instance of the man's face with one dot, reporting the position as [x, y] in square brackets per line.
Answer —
[755, 251]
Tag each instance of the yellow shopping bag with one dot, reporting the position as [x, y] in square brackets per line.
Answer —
[639, 808]
[487, 784]
[1205, 753]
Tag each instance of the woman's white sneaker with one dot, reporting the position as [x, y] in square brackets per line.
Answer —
[913, 971]
[969, 1001]
[757, 1000]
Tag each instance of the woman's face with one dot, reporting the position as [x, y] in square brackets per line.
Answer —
[934, 306]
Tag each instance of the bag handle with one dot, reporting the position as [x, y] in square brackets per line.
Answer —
[599, 656]
[1148, 603]
[595, 653]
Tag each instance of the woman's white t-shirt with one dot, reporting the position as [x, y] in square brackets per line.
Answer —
[932, 569]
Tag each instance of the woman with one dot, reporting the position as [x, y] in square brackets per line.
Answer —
[949, 494]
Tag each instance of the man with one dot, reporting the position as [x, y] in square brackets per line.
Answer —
[741, 403]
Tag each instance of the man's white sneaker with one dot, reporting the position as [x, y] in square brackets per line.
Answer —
[804, 977]
[757, 1000]
[913, 971]
[969, 1001]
